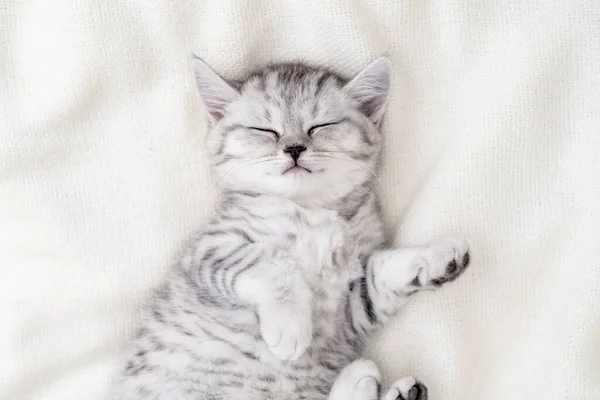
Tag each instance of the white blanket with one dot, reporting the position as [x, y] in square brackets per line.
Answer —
[492, 132]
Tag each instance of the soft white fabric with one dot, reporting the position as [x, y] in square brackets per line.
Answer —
[492, 132]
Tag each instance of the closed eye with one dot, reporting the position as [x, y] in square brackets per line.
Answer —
[271, 131]
[312, 129]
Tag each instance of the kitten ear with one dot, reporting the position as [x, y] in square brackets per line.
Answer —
[371, 88]
[214, 91]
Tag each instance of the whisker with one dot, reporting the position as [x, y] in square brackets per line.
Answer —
[331, 151]
[372, 177]
[246, 161]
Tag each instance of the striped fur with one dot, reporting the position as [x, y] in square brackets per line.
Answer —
[278, 295]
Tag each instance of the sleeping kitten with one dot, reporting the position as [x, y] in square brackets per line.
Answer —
[278, 295]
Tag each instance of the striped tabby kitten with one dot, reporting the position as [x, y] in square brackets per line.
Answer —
[278, 295]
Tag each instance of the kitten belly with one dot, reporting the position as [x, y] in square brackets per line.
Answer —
[208, 352]
[258, 374]
[231, 361]
[310, 377]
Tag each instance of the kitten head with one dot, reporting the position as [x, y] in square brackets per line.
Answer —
[295, 131]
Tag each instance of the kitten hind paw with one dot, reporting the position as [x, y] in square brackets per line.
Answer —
[357, 381]
[407, 388]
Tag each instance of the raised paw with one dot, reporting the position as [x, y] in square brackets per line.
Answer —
[357, 381]
[442, 262]
[287, 333]
[407, 388]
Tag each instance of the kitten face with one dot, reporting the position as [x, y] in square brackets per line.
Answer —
[295, 131]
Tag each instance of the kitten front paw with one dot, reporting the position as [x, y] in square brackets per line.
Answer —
[287, 332]
[443, 262]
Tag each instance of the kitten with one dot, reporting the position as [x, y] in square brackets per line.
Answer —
[278, 295]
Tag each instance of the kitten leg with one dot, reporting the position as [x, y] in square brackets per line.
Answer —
[357, 381]
[392, 276]
[284, 305]
[236, 273]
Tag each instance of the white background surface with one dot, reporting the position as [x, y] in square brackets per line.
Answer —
[492, 132]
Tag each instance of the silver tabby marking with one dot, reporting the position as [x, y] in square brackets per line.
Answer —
[278, 295]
